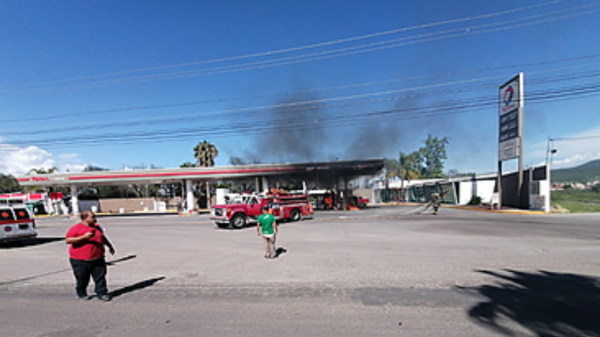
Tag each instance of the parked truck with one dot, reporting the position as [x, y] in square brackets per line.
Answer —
[248, 207]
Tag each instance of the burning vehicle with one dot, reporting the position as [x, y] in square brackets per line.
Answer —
[332, 200]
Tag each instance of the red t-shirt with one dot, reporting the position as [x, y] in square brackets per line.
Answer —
[89, 249]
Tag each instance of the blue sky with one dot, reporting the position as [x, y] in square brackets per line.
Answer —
[75, 73]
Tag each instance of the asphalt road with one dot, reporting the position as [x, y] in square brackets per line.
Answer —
[379, 272]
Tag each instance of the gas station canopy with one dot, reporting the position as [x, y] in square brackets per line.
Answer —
[351, 168]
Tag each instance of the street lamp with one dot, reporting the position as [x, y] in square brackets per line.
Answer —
[550, 152]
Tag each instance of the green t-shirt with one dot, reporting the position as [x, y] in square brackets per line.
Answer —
[266, 222]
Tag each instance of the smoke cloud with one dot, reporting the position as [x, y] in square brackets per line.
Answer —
[293, 132]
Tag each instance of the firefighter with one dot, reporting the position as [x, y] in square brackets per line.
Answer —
[435, 202]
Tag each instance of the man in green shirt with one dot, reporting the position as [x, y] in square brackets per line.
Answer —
[267, 228]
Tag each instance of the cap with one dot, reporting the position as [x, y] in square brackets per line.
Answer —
[266, 208]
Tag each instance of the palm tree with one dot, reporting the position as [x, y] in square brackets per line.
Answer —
[408, 167]
[392, 170]
[205, 153]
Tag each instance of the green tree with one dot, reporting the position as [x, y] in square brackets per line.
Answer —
[433, 155]
[409, 165]
[91, 168]
[406, 167]
[391, 169]
[205, 154]
[42, 170]
[454, 173]
[187, 164]
[9, 184]
[101, 192]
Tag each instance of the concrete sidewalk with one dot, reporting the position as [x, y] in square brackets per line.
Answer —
[477, 208]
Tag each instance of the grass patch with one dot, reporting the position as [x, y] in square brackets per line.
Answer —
[577, 201]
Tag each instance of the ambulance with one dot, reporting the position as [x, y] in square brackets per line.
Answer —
[16, 221]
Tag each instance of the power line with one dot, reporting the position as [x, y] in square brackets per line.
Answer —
[302, 107]
[325, 54]
[289, 93]
[339, 98]
[568, 93]
[186, 117]
[566, 139]
[313, 104]
[309, 46]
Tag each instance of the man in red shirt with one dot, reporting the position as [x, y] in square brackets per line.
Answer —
[86, 253]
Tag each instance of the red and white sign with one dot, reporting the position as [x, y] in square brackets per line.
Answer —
[32, 196]
[509, 149]
[510, 96]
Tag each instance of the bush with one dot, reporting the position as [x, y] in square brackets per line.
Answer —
[222, 184]
[475, 200]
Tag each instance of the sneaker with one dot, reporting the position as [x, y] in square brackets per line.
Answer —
[105, 298]
[83, 297]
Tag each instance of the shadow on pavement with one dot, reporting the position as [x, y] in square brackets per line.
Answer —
[136, 286]
[548, 304]
[30, 242]
[280, 251]
[29, 278]
[122, 259]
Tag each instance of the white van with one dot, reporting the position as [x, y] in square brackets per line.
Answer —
[16, 221]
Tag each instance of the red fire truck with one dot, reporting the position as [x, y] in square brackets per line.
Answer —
[248, 208]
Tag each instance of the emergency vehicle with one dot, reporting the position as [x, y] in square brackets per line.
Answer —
[40, 203]
[247, 208]
[16, 221]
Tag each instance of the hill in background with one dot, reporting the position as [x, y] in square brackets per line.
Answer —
[587, 172]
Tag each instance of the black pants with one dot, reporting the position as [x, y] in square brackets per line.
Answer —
[84, 269]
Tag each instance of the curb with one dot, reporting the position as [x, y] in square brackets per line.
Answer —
[466, 208]
[395, 204]
[506, 211]
[135, 213]
[46, 216]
